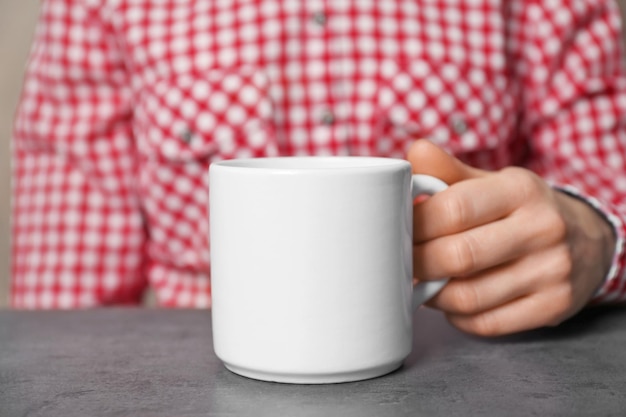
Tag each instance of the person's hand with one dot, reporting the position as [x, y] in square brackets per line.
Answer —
[521, 254]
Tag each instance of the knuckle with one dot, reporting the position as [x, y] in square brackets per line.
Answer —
[463, 255]
[563, 264]
[555, 225]
[549, 221]
[465, 297]
[456, 210]
[527, 183]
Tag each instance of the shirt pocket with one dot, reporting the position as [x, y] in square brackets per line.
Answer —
[461, 108]
[218, 114]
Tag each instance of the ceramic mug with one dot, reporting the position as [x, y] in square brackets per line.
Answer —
[312, 266]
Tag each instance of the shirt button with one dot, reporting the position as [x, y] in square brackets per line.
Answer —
[327, 118]
[459, 125]
[186, 135]
[319, 18]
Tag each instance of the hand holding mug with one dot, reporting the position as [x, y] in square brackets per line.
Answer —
[523, 255]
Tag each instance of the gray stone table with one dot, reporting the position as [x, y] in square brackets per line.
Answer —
[143, 362]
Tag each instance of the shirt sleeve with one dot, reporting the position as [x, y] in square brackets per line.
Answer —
[575, 109]
[77, 228]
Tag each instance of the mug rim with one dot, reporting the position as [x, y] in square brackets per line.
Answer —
[293, 164]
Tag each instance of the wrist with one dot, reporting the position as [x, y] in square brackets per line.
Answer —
[591, 237]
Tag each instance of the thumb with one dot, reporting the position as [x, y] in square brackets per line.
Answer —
[427, 158]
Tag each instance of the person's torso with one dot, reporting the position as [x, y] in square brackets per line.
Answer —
[232, 78]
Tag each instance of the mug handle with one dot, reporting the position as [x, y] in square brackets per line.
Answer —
[420, 185]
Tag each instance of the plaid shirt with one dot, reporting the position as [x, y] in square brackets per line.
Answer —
[127, 102]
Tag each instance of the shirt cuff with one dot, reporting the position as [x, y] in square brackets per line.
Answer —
[613, 288]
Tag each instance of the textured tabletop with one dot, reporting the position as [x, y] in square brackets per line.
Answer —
[134, 362]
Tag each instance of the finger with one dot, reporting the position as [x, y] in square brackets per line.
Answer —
[547, 308]
[463, 206]
[427, 158]
[500, 285]
[477, 249]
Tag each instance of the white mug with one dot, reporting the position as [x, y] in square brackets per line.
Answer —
[312, 266]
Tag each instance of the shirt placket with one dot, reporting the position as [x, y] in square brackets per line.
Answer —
[330, 130]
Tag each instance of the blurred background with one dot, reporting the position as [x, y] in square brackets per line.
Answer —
[17, 23]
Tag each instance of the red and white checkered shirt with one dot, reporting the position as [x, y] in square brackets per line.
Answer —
[127, 102]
